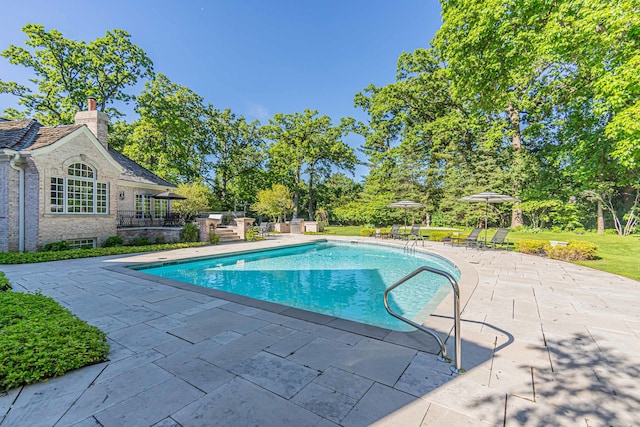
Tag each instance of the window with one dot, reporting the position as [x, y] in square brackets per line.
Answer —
[159, 208]
[143, 206]
[82, 243]
[79, 192]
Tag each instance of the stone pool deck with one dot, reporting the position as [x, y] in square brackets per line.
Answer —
[543, 342]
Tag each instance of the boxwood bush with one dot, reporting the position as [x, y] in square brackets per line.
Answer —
[535, 247]
[39, 339]
[574, 251]
[367, 232]
[439, 236]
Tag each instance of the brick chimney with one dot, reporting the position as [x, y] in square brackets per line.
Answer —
[96, 121]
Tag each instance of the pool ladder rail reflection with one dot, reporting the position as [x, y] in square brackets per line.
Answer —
[457, 368]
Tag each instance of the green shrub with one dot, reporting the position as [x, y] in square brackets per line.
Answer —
[251, 235]
[56, 246]
[5, 284]
[574, 251]
[39, 339]
[439, 236]
[30, 257]
[190, 232]
[367, 232]
[113, 241]
[139, 241]
[214, 239]
[536, 247]
[160, 240]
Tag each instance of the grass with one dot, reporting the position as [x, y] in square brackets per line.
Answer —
[40, 339]
[617, 254]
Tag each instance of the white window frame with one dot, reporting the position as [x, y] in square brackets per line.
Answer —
[79, 193]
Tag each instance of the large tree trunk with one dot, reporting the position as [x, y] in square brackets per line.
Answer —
[296, 194]
[310, 194]
[517, 218]
[600, 218]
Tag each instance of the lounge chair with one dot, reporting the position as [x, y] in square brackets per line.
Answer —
[415, 233]
[471, 239]
[499, 239]
[394, 233]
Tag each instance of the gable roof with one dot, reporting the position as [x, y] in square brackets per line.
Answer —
[29, 135]
[135, 173]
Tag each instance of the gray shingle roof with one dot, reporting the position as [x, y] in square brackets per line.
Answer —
[136, 173]
[28, 135]
[18, 134]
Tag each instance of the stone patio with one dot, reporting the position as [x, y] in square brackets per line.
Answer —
[543, 342]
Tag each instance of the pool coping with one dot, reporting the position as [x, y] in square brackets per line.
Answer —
[411, 339]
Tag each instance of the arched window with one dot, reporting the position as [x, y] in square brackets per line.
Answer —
[79, 192]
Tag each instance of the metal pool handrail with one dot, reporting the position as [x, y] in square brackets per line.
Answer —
[456, 315]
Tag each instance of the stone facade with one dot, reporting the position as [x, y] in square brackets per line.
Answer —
[54, 163]
[46, 153]
[5, 200]
[169, 235]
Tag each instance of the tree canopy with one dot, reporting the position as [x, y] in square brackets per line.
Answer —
[66, 72]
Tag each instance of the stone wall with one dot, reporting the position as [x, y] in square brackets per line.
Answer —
[170, 235]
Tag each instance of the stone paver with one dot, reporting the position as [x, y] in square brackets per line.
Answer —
[544, 343]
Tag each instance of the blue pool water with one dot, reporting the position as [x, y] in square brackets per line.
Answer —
[343, 280]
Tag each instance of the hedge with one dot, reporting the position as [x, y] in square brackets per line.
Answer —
[30, 257]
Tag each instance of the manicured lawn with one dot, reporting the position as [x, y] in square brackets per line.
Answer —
[617, 254]
[347, 230]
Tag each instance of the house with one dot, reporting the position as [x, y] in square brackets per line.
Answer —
[66, 183]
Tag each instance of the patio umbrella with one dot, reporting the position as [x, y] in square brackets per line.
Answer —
[168, 195]
[487, 197]
[405, 204]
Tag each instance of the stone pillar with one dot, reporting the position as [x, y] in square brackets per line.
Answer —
[207, 226]
[243, 224]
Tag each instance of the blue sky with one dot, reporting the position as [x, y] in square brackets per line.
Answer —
[257, 58]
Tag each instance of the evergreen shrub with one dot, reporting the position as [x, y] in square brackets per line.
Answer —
[439, 236]
[367, 232]
[574, 251]
[536, 247]
[113, 241]
[190, 232]
[56, 246]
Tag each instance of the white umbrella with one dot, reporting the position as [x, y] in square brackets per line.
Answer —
[486, 198]
[405, 204]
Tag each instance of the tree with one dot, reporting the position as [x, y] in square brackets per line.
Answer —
[236, 151]
[304, 139]
[198, 199]
[275, 202]
[67, 72]
[170, 137]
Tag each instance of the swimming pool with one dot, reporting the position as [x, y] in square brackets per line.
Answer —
[344, 280]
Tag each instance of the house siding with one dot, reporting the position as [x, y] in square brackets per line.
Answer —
[55, 227]
[6, 240]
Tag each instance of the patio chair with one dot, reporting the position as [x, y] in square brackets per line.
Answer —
[499, 239]
[472, 238]
[415, 233]
[394, 233]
